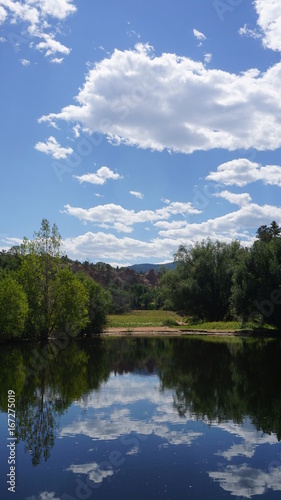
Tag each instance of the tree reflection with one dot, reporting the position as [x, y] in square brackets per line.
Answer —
[51, 379]
[217, 381]
[227, 381]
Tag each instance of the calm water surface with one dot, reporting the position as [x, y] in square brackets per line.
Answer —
[142, 418]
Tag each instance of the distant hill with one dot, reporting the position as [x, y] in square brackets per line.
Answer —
[145, 268]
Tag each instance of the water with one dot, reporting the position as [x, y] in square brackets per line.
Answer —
[143, 419]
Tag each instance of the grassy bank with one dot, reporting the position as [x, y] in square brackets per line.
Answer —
[136, 319]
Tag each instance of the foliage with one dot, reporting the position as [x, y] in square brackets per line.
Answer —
[99, 301]
[13, 308]
[45, 297]
[201, 284]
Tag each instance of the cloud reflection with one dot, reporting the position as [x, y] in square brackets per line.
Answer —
[242, 480]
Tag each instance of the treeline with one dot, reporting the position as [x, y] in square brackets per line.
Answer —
[219, 281]
[40, 296]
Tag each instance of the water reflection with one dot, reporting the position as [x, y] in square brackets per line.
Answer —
[152, 403]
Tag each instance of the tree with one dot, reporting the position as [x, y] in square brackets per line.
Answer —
[57, 299]
[13, 308]
[266, 233]
[256, 291]
[98, 304]
[201, 284]
[40, 264]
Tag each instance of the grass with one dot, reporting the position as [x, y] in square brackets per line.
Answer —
[143, 318]
[135, 319]
[214, 325]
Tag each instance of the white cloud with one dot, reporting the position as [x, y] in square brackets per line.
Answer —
[175, 103]
[137, 194]
[240, 199]
[207, 57]
[166, 200]
[51, 46]
[112, 213]
[102, 175]
[3, 14]
[57, 60]
[245, 31]
[200, 36]
[53, 148]
[112, 249]
[241, 171]
[2, 39]
[234, 225]
[269, 21]
[25, 62]
[38, 14]
[59, 9]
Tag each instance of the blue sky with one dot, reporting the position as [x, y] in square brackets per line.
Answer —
[138, 126]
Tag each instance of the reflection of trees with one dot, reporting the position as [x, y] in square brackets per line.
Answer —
[220, 381]
[224, 381]
[58, 377]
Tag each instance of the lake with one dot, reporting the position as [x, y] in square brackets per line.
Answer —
[141, 418]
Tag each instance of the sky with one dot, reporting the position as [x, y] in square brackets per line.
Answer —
[139, 126]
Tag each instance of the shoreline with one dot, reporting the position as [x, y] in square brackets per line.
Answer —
[173, 332]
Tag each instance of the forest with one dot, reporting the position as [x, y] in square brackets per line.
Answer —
[43, 293]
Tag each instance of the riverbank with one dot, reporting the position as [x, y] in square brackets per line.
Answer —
[175, 332]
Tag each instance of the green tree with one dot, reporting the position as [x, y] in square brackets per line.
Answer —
[99, 301]
[256, 291]
[201, 284]
[266, 233]
[57, 299]
[13, 308]
[70, 303]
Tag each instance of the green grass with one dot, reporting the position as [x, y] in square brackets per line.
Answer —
[143, 318]
[135, 319]
[214, 325]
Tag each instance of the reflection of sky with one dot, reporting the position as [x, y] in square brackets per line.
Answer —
[245, 481]
[134, 404]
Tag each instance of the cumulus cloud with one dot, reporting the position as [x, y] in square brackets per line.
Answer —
[269, 20]
[240, 199]
[102, 175]
[234, 225]
[172, 231]
[112, 213]
[242, 171]
[119, 250]
[38, 15]
[137, 194]
[175, 103]
[53, 148]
